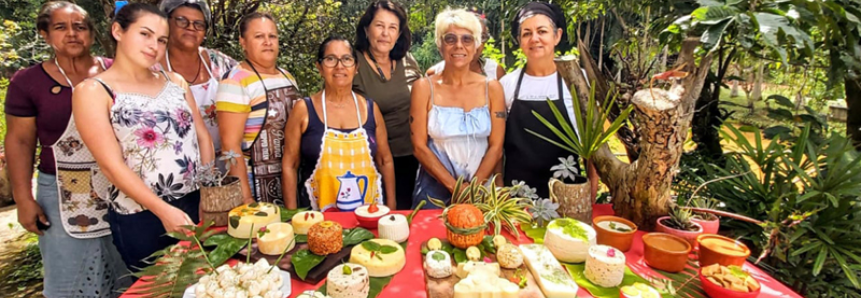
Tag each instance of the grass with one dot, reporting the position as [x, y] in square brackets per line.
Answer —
[21, 273]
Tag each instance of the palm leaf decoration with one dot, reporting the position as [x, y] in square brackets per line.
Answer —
[685, 283]
[496, 204]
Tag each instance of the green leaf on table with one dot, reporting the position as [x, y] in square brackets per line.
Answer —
[301, 238]
[171, 270]
[357, 235]
[287, 214]
[487, 242]
[387, 249]
[371, 245]
[375, 285]
[438, 256]
[576, 272]
[303, 261]
[226, 247]
[534, 233]
[459, 255]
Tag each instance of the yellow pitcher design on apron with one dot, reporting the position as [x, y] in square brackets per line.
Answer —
[346, 176]
[267, 150]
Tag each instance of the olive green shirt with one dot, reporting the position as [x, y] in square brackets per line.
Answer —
[393, 98]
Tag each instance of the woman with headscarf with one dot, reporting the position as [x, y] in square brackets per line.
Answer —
[458, 115]
[386, 74]
[538, 28]
[201, 68]
[74, 238]
[253, 104]
[482, 65]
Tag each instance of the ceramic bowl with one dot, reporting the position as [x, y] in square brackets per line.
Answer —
[612, 237]
[666, 252]
[721, 250]
[370, 220]
[716, 291]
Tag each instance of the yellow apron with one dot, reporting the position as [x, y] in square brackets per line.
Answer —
[346, 176]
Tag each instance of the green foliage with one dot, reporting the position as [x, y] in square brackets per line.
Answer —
[22, 268]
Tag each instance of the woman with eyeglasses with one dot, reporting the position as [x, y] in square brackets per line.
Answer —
[336, 138]
[201, 68]
[253, 104]
[458, 116]
[386, 74]
[479, 64]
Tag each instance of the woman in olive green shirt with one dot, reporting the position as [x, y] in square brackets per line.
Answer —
[386, 74]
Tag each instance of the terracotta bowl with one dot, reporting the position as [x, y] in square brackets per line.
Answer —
[721, 250]
[716, 291]
[370, 220]
[611, 237]
[709, 226]
[690, 236]
[666, 252]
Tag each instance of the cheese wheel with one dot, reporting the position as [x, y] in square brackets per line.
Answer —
[303, 221]
[353, 282]
[438, 264]
[380, 264]
[279, 238]
[394, 227]
[483, 282]
[605, 266]
[551, 277]
[326, 237]
[569, 239]
[242, 218]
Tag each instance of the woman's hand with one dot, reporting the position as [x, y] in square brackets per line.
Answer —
[28, 213]
[174, 219]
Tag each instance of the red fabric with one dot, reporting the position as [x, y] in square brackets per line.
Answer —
[410, 282]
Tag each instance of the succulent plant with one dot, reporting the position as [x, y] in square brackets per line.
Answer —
[209, 175]
[543, 211]
[566, 169]
[680, 219]
[500, 206]
[519, 189]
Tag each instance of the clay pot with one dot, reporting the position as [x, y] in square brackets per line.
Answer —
[709, 226]
[611, 237]
[217, 201]
[575, 199]
[716, 249]
[690, 236]
[666, 252]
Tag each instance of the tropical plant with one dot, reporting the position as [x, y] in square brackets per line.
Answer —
[496, 204]
[543, 211]
[566, 169]
[680, 219]
[519, 189]
[705, 203]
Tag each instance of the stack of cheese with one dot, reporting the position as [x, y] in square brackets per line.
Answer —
[380, 263]
[552, 278]
[394, 227]
[484, 282]
[569, 239]
[605, 266]
[348, 281]
[242, 280]
[241, 219]
[277, 239]
[303, 221]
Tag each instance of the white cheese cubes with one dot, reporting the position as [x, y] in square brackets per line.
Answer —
[605, 266]
[438, 264]
[551, 277]
[569, 239]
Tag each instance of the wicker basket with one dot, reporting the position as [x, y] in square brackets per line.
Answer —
[574, 199]
[217, 201]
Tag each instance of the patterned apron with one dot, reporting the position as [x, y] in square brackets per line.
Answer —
[204, 96]
[82, 209]
[346, 176]
[264, 155]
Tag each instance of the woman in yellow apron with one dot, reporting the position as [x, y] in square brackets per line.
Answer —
[344, 158]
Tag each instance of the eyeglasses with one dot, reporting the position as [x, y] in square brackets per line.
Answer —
[332, 61]
[451, 39]
[183, 23]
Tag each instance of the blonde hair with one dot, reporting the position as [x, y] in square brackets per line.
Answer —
[457, 18]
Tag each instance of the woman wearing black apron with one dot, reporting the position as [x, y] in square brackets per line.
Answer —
[539, 28]
[253, 103]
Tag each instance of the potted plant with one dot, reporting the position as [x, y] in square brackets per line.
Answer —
[709, 221]
[679, 223]
[587, 139]
[574, 197]
[219, 192]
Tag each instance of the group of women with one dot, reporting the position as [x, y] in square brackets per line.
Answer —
[120, 155]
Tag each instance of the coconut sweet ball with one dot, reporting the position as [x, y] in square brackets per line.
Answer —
[325, 238]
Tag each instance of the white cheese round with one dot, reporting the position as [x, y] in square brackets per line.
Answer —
[379, 264]
[303, 221]
[394, 227]
[257, 215]
[569, 239]
[438, 264]
[352, 283]
[278, 239]
[605, 266]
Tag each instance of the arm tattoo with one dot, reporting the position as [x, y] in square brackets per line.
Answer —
[501, 114]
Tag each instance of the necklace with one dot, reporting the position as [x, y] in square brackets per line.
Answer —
[380, 70]
[62, 72]
[199, 63]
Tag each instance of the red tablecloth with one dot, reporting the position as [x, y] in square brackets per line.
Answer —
[410, 282]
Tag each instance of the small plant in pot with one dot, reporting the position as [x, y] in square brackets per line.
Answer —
[709, 221]
[679, 223]
[574, 197]
[219, 192]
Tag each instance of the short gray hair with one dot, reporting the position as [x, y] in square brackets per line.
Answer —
[457, 18]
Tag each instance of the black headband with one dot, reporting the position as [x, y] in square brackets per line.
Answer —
[530, 9]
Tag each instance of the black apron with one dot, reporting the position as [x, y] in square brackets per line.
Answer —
[527, 157]
[266, 152]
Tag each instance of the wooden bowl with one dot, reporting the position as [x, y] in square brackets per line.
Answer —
[666, 252]
[721, 250]
[611, 237]
[716, 291]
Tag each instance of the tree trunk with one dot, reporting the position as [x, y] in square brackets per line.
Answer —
[707, 120]
[853, 102]
[756, 94]
[641, 189]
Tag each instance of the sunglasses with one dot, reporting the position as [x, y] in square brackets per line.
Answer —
[451, 39]
[332, 61]
[183, 23]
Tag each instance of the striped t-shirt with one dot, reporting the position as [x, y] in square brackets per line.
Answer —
[242, 92]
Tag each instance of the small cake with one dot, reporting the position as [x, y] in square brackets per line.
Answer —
[348, 281]
[484, 282]
[509, 256]
[394, 227]
[569, 239]
[438, 264]
[303, 221]
[242, 218]
[278, 238]
[605, 266]
[326, 237]
[312, 294]
[382, 257]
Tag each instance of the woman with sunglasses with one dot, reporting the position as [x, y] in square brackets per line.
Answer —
[201, 68]
[337, 136]
[479, 64]
[457, 116]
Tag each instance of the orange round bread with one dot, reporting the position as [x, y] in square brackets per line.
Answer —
[325, 237]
